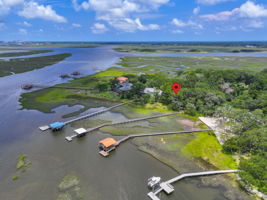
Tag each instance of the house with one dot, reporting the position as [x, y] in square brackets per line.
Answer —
[122, 79]
[107, 144]
[152, 91]
[56, 126]
[124, 87]
[140, 73]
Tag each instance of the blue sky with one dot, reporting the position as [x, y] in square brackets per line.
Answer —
[133, 20]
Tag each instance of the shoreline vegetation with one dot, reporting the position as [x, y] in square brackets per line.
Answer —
[187, 48]
[208, 91]
[26, 53]
[52, 45]
[20, 65]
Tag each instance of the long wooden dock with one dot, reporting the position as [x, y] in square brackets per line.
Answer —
[168, 188]
[94, 113]
[69, 138]
[157, 134]
[146, 135]
[46, 127]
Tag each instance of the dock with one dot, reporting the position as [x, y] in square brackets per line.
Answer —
[69, 138]
[46, 127]
[160, 133]
[150, 134]
[167, 185]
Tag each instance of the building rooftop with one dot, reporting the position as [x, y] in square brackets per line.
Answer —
[122, 79]
[80, 131]
[125, 86]
[108, 142]
[152, 91]
[57, 125]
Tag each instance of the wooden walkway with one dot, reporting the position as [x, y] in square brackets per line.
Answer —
[149, 134]
[168, 188]
[69, 138]
[46, 127]
[157, 134]
[94, 113]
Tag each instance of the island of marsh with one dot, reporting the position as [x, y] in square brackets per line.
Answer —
[62, 44]
[24, 53]
[20, 65]
[189, 63]
[190, 48]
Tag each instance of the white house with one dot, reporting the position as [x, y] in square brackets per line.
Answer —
[152, 91]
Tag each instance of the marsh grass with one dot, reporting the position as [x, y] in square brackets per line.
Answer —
[21, 65]
[29, 52]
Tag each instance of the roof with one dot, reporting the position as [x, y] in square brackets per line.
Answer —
[152, 91]
[108, 142]
[57, 125]
[125, 86]
[122, 79]
[80, 130]
[149, 90]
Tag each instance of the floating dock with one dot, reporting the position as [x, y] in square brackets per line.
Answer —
[168, 188]
[69, 138]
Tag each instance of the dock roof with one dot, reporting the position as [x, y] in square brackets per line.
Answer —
[57, 125]
[108, 142]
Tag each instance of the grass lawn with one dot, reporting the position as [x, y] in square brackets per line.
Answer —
[207, 147]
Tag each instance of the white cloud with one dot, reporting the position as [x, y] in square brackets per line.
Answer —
[84, 5]
[211, 2]
[221, 16]
[246, 10]
[132, 25]
[33, 10]
[98, 28]
[41, 30]
[76, 25]
[25, 23]
[255, 24]
[190, 23]
[122, 14]
[155, 4]
[252, 10]
[23, 31]
[196, 10]
[177, 31]
[6, 5]
[178, 23]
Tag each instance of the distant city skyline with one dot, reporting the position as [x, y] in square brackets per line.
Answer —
[133, 20]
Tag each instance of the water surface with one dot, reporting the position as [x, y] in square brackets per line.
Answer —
[122, 176]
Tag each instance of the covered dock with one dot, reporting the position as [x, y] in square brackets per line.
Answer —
[168, 188]
[151, 134]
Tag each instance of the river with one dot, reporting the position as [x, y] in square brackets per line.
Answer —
[122, 176]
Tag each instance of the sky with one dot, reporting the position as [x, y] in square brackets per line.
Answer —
[133, 20]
